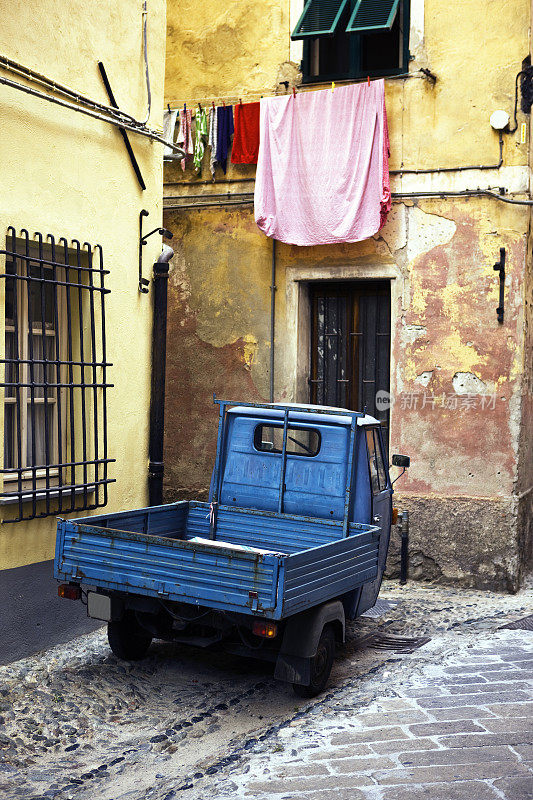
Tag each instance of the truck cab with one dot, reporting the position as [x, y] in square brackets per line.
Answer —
[319, 451]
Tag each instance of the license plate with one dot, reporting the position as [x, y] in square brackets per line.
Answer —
[99, 606]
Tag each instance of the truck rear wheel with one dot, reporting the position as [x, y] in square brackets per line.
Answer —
[321, 664]
[127, 639]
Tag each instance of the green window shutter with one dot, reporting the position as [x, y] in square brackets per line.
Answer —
[373, 15]
[319, 18]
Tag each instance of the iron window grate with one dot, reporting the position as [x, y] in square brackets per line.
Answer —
[55, 377]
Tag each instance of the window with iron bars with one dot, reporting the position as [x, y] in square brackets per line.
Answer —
[55, 378]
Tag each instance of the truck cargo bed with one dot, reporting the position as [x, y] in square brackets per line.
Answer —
[303, 561]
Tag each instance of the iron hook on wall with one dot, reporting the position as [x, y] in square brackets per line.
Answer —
[144, 282]
[499, 266]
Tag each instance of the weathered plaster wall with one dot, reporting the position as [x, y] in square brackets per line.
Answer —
[66, 174]
[461, 382]
[224, 48]
[218, 335]
[449, 356]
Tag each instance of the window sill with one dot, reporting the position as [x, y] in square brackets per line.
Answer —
[42, 494]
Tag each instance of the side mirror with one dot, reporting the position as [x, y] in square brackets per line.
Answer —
[401, 461]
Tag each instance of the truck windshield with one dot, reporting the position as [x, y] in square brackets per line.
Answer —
[300, 441]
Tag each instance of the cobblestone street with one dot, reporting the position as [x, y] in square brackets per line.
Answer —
[450, 720]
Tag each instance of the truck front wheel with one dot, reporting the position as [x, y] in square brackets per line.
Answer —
[321, 664]
[127, 639]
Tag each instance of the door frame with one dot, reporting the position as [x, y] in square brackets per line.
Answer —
[299, 315]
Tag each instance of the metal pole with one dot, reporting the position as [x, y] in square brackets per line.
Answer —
[404, 552]
[157, 399]
[272, 318]
[111, 96]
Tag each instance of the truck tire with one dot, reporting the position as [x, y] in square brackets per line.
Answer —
[321, 664]
[127, 639]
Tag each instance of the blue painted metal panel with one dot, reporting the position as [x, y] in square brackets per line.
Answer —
[283, 533]
[313, 485]
[251, 478]
[318, 575]
[163, 567]
[159, 520]
[319, 564]
[361, 497]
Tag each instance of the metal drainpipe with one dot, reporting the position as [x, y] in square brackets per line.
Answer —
[157, 395]
[272, 318]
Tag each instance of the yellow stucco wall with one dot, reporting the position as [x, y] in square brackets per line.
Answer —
[216, 48]
[66, 174]
[236, 49]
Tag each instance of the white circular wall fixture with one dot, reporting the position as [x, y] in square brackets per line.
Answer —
[499, 120]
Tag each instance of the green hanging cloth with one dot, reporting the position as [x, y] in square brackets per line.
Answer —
[201, 132]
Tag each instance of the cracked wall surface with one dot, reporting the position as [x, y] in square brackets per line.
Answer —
[461, 383]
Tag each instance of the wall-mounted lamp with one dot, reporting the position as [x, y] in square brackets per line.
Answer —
[143, 282]
[499, 119]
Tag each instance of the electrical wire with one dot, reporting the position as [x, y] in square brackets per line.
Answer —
[522, 72]
[145, 50]
[451, 169]
[465, 193]
[138, 127]
[247, 644]
[60, 88]
[246, 198]
[185, 619]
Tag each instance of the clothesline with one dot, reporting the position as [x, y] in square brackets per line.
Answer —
[216, 101]
[175, 105]
[322, 163]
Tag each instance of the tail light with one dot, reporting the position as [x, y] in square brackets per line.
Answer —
[69, 591]
[394, 516]
[268, 630]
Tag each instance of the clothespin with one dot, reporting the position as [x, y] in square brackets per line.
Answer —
[185, 107]
[240, 101]
[224, 103]
[199, 108]
[368, 79]
[332, 86]
[294, 92]
[213, 104]
[168, 106]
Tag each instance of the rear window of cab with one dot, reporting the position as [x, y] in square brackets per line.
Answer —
[300, 441]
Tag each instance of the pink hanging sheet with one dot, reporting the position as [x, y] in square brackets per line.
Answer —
[323, 170]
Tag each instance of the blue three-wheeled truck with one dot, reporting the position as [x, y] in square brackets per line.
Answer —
[291, 544]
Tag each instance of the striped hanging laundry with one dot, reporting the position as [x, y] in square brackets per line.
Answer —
[185, 135]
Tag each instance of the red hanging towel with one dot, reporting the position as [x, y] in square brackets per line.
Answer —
[246, 138]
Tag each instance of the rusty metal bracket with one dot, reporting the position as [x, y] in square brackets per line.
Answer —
[144, 282]
[499, 266]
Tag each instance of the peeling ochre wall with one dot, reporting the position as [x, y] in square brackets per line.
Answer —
[446, 333]
[438, 254]
[66, 174]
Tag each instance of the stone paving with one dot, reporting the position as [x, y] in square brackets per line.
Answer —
[458, 728]
[451, 720]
